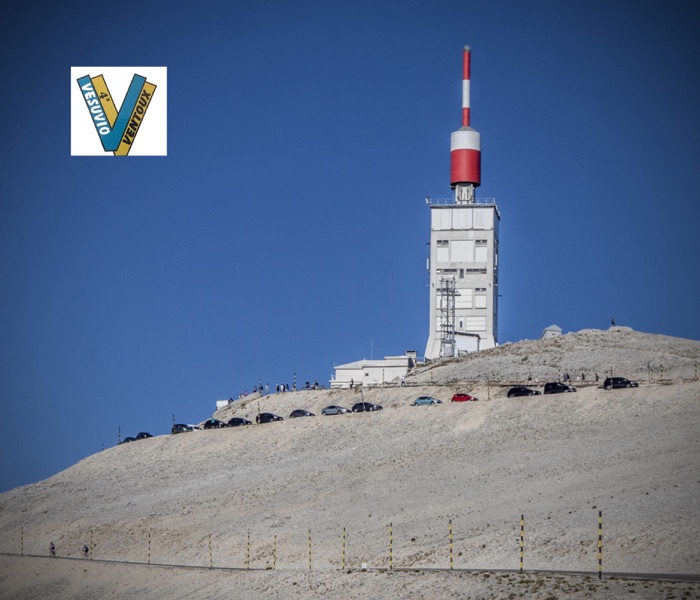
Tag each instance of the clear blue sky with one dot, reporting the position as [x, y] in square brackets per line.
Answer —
[286, 230]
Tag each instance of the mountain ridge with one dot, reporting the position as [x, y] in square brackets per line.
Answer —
[477, 466]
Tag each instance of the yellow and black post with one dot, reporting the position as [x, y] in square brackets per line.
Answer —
[247, 553]
[600, 544]
[391, 546]
[522, 541]
[451, 559]
[309, 549]
[343, 556]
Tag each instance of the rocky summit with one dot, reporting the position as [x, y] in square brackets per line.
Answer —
[405, 502]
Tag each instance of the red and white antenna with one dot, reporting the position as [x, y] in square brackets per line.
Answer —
[466, 66]
[465, 144]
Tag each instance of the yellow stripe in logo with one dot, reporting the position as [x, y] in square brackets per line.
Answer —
[135, 119]
[105, 99]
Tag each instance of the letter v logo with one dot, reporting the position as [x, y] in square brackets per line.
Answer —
[116, 127]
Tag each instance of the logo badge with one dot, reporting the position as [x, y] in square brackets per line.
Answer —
[119, 111]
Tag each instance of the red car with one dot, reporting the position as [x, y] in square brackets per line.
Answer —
[463, 398]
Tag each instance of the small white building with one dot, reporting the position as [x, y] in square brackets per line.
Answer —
[373, 372]
[551, 331]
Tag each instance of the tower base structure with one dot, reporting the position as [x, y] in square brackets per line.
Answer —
[463, 268]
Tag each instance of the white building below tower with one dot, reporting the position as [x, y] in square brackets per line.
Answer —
[463, 267]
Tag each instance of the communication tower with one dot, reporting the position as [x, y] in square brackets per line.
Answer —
[463, 261]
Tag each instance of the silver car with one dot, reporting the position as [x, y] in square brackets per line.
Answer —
[426, 401]
[334, 410]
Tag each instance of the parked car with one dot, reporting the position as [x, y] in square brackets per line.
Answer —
[366, 407]
[143, 435]
[521, 390]
[556, 387]
[426, 401]
[618, 382]
[126, 440]
[238, 421]
[214, 424]
[181, 428]
[463, 398]
[300, 412]
[334, 410]
[267, 417]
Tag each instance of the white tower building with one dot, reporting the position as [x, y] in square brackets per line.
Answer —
[463, 261]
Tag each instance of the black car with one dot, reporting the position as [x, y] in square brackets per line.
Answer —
[618, 382]
[267, 418]
[126, 440]
[556, 387]
[521, 390]
[238, 421]
[300, 412]
[143, 435]
[365, 407]
[214, 424]
[181, 428]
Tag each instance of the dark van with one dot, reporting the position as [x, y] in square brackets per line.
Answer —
[556, 387]
[267, 417]
[618, 382]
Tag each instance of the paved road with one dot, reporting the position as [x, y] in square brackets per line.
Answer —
[691, 577]
[686, 577]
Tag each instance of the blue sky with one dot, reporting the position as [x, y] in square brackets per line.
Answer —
[286, 230]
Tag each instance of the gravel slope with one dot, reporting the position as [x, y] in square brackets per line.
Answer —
[405, 470]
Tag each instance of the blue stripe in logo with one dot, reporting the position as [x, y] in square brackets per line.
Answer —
[111, 136]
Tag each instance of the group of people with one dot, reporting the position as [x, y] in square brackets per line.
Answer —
[280, 388]
[284, 387]
[582, 378]
[52, 550]
[257, 389]
[566, 378]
